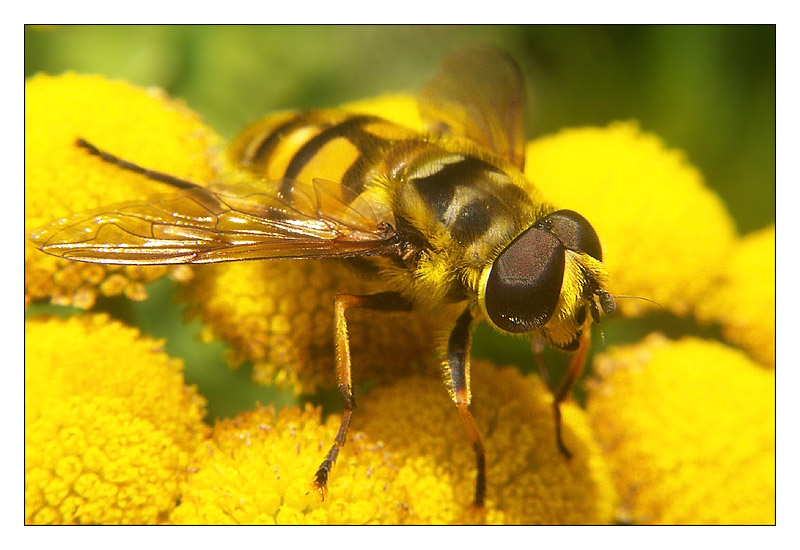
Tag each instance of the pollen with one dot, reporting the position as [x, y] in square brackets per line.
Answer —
[688, 428]
[106, 441]
[139, 124]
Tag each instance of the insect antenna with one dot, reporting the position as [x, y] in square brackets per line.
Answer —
[641, 298]
[131, 167]
[607, 304]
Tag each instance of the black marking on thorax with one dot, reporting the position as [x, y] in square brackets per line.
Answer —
[463, 185]
[474, 219]
[438, 190]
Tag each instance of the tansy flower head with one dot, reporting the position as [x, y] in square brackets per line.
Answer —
[62, 179]
[109, 423]
[744, 301]
[280, 316]
[688, 428]
[664, 234]
[258, 469]
[530, 482]
[411, 464]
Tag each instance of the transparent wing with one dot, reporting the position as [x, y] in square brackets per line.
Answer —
[225, 223]
[479, 94]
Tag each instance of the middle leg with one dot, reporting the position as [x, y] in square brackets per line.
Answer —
[385, 301]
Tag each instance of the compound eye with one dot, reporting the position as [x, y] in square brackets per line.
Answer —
[574, 231]
[524, 282]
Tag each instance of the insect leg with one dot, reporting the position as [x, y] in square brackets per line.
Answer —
[537, 348]
[458, 371]
[573, 373]
[385, 301]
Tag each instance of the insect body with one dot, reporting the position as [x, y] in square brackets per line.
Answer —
[443, 217]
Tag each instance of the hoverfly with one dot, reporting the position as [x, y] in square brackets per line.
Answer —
[443, 217]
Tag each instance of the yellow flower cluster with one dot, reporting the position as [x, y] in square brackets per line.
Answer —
[744, 301]
[688, 428]
[109, 423]
[258, 469]
[111, 429]
[60, 179]
[411, 463]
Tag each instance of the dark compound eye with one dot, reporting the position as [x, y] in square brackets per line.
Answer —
[574, 231]
[524, 283]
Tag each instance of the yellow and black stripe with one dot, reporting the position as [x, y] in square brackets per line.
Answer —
[327, 144]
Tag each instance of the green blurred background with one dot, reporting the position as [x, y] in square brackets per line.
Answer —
[708, 90]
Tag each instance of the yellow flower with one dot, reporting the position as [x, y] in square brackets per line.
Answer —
[258, 469]
[530, 482]
[664, 234]
[744, 302]
[60, 179]
[688, 428]
[279, 315]
[412, 463]
[109, 423]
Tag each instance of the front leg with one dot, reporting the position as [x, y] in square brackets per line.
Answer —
[458, 372]
[384, 301]
[574, 371]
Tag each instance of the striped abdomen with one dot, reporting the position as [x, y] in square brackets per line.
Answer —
[327, 144]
